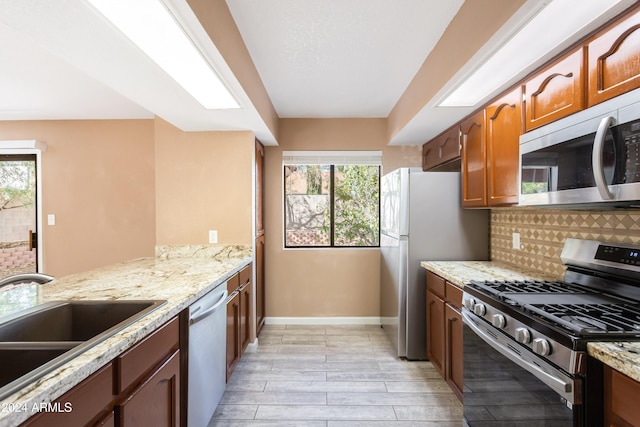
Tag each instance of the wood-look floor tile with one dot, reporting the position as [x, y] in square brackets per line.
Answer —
[379, 413]
[333, 376]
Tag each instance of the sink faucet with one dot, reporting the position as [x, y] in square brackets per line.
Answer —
[25, 278]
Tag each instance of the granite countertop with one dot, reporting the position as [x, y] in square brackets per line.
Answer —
[622, 356]
[461, 272]
[179, 275]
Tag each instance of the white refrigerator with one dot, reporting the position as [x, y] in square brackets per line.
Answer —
[421, 219]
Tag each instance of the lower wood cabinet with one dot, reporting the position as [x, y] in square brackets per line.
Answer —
[444, 330]
[621, 395]
[141, 387]
[155, 402]
[239, 316]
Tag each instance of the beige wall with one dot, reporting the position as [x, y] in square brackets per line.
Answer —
[323, 282]
[98, 180]
[203, 182]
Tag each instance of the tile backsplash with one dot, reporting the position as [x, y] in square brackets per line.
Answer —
[543, 232]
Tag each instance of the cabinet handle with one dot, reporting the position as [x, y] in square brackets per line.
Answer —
[596, 157]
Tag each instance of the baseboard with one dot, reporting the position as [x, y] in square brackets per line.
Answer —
[373, 320]
[252, 347]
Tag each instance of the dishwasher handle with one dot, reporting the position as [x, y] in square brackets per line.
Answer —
[209, 311]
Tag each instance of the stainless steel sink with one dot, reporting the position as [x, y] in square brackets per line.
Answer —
[35, 341]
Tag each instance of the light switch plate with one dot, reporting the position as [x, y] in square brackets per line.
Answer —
[51, 219]
[516, 240]
[213, 236]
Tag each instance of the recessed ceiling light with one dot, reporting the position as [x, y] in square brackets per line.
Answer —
[151, 26]
[552, 25]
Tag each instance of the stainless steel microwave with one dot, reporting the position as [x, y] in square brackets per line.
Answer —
[590, 159]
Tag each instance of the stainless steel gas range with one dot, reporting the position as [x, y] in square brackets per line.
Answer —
[525, 342]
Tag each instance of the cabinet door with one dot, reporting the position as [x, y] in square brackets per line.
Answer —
[504, 127]
[259, 170]
[81, 404]
[555, 92]
[246, 305]
[156, 402]
[454, 373]
[435, 331]
[260, 291]
[614, 60]
[233, 334]
[620, 395]
[474, 157]
[442, 149]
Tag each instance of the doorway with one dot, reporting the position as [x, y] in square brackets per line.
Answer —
[18, 214]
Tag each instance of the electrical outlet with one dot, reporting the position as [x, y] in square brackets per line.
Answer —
[516, 240]
[213, 236]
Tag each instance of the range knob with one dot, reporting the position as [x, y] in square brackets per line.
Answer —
[523, 335]
[498, 321]
[541, 346]
[479, 309]
[469, 303]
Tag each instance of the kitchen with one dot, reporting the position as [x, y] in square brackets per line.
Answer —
[158, 173]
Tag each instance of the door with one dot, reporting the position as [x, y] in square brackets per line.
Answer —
[18, 214]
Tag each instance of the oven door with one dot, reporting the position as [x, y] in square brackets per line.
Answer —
[505, 384]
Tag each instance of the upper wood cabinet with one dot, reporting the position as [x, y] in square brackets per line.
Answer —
[442, 150]
[504, 127]
[614, 59]
[555, 92]
[473, 161]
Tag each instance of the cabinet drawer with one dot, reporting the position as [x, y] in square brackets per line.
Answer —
[453, 295]
[233, 283]
[245, 275]
[145, 355]
[442, 149]
[82, 403]
[435, 284]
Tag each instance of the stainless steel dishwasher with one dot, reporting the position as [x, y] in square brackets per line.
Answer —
[207, 355]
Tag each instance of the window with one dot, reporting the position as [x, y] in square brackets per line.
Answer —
[331, 199]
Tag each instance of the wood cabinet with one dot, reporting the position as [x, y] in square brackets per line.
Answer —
[239, 315]
[259, 239]
[504, 127]
[614, 59]
[555, 92]
[148, 375]
[474, 159]
[444, 330]
[155, 402]
[442, 151]
[88, 403]
[621, 395]
[140, 387]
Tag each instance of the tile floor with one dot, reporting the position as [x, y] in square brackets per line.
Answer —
[333, 376]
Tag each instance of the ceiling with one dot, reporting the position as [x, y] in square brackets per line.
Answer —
[316, 59]
[337, 58]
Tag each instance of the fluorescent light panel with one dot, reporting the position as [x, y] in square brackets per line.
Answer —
[153, 28]
[552, 26]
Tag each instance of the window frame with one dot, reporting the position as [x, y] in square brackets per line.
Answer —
[324, 158]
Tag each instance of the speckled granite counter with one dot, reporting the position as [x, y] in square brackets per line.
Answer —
[622, 356]
[179, 275]
[461, 272]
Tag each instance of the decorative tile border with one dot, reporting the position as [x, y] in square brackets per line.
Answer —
[543, 232]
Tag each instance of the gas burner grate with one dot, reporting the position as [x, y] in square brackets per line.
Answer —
[587, 319]
[497, 287]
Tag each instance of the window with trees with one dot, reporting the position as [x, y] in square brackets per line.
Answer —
[332, 199]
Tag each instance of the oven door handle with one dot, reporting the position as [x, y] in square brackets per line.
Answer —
[596, 157]
[564, 388]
